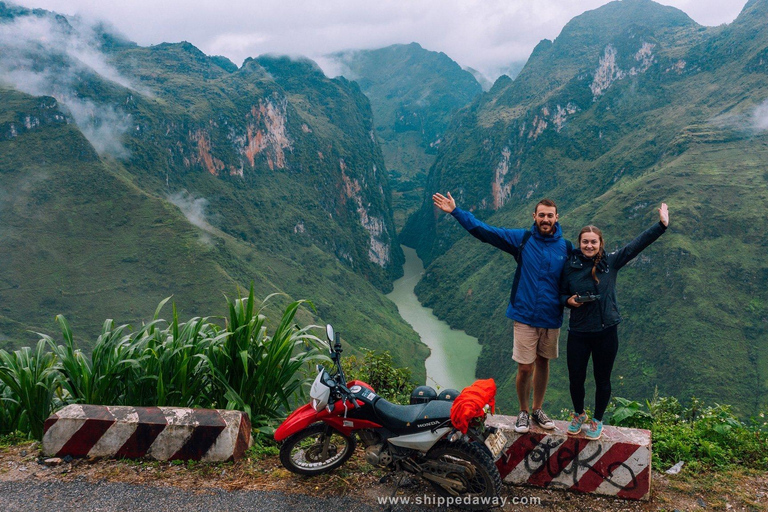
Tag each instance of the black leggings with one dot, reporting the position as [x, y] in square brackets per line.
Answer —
[602, 346]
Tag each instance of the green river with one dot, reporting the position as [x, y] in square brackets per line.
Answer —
[454, 353]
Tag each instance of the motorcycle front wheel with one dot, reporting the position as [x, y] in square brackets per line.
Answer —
[317, 449]
[479, 478]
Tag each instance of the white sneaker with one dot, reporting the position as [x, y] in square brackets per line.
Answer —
[521, 425]
[542, 419]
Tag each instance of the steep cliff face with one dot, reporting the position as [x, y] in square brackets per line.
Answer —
[633, 104]
[275, 116]
[414, 93]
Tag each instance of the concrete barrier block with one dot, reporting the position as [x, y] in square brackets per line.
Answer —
[618, 464]
[160, 433]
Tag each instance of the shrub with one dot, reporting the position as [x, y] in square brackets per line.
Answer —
[378, 370]
[710, 436]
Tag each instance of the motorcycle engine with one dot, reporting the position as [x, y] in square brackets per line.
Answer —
[378, 455]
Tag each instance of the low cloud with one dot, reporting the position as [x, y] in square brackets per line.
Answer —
[760, 117]
[754, 120]
[193, 208]
[487, 35]
[48, 56]
[334, 66]
[102, 125]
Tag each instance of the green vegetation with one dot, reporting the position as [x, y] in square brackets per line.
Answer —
[377, 369]
[196, 363]
[701, 436]
[30, 378]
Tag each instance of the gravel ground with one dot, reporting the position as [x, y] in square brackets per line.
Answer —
[263, 484]
[81, 495]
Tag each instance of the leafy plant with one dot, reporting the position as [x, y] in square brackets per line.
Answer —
[629, 413]
[263, 446]
[258, 373]
[378, 370]
[697, 434]
[13, 438]
[32, 377]
[10, 411]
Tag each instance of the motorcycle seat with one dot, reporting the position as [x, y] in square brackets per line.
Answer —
[400, 417]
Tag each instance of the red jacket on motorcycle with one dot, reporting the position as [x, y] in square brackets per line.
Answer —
[470, 402]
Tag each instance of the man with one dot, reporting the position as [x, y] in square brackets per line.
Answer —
[534, 302]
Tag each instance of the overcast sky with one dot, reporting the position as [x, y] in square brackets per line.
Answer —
[486, 35]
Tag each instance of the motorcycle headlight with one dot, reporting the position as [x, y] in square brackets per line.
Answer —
[319, 393]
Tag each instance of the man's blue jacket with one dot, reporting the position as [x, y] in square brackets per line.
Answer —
[537, 301]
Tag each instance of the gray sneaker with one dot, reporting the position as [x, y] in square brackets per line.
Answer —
[542, 419]
[521, 425]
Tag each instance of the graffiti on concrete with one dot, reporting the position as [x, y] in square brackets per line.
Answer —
[567, 457]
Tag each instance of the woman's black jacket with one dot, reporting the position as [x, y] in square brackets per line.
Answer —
[577, 279]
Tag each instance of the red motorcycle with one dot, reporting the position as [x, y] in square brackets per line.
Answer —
[420, 438]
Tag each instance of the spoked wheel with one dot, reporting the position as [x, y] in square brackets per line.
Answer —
[471, 471]
[316, 449]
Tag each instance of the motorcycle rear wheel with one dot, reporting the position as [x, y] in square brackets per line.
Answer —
[317, 449]
[484, 485]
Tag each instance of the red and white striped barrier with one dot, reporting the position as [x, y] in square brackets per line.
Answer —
[161, 433]
[618, 464]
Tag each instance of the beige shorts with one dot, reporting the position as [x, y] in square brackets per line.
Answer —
[532, 341]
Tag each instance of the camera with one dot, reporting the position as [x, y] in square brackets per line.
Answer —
[586, 297]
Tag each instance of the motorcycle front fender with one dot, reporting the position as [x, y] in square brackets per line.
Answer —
[299, 419]
[305, 415]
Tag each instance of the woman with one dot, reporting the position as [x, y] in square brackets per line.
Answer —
[588, 287]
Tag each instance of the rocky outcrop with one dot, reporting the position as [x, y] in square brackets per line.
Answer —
[379, 248]
[267, 134]
[608, 70]
[204, 156]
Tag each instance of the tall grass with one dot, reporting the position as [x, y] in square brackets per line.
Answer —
[170, 367]
[101, 378]
[32, 378]
[197, 363]
[257, 373]
[10, 410]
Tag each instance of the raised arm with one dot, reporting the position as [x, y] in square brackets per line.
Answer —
[507, 240]
[646, 238]
[447, 204]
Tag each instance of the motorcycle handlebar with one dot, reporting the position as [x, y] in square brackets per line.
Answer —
[348, 395]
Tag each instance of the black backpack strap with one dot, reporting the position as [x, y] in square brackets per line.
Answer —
[519, 254]
[519, 259]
